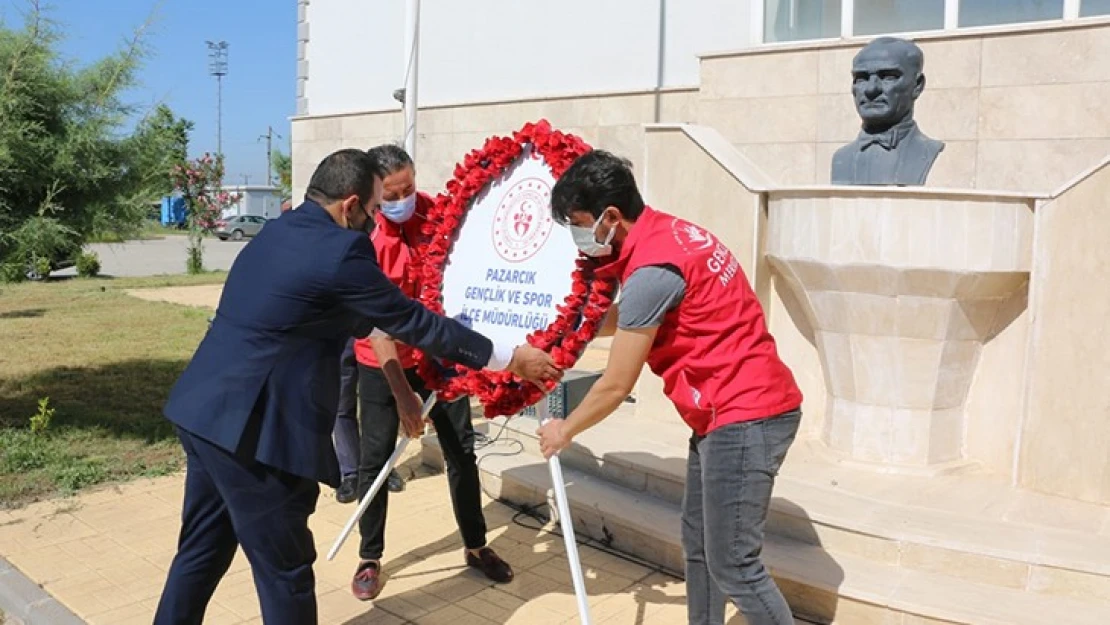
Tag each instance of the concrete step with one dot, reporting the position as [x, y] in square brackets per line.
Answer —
[822, 584]
[974, 525]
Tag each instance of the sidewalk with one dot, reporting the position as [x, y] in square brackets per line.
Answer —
[105, 555]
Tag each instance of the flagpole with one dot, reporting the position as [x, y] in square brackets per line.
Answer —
[412, 67]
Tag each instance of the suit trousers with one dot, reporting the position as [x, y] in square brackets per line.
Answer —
[380, 425]
[345, 433]
[232, 501]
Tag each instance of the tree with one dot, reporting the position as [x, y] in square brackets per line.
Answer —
[160, 143]
[67, 160]
[282, 165]
[199, 183]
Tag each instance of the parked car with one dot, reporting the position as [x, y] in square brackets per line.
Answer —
[34, 273]
[235, 228]
[59, 258]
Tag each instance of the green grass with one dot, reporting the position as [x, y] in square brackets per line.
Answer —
[106, 361]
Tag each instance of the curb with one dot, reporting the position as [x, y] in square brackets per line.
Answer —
[25, 602]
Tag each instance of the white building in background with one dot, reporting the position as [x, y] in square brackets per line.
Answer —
[771, 75]
[352, 51]
[258, 200]
[484, 50]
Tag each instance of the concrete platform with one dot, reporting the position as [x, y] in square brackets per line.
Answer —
[847, 545]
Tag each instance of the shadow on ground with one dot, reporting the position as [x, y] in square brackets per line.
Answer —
[123, 399]
[101, 424]
[27, 313]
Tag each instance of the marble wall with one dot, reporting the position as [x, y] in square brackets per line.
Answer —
[446, 134]
[1065, 438]
[1020, 108]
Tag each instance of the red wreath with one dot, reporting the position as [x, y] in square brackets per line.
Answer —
[580, 314]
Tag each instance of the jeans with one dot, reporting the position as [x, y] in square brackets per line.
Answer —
[345, 432]
[729, 476]
[380, 425]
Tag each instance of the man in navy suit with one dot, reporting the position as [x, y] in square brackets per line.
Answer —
[255, 407]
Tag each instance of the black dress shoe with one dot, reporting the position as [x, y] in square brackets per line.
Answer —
[395, 483]
[348, 490]
[491, 565]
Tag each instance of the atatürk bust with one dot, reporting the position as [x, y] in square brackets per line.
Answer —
[887, 78]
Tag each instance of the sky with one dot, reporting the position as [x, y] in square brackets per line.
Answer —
[259, 90]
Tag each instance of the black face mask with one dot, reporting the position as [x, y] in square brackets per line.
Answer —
[367, 226]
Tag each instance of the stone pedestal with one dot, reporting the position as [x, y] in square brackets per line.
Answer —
[901, 289]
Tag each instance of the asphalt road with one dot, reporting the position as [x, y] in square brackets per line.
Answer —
[158, 257]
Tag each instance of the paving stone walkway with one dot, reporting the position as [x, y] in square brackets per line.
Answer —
[105, 555]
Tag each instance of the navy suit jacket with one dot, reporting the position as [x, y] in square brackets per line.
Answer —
[264, 382]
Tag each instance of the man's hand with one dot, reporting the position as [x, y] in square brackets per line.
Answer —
[534, 365]
[410, 409]
[553, 437]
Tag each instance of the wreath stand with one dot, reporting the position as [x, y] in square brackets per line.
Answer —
[566, 522]
[383, 475]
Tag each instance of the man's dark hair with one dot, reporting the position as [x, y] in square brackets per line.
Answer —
[391, 157]
[596, 180]
[909, 50]
[343, 174]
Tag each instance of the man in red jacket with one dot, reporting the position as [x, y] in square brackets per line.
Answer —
[687, 310]
[389, 387]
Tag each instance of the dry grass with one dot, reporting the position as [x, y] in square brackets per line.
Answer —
[106, 362]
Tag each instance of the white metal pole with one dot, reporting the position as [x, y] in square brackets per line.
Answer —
[412, 66]
[383, 475]
[543, 411]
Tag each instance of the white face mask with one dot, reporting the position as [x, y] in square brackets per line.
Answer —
[400, 211]
[586, 240]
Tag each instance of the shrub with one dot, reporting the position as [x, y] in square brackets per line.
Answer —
[40, 421]
[42, 267]
[88, 265]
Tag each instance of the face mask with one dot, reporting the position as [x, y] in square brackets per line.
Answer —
[367, 225]
[586, 240]
[400, 211]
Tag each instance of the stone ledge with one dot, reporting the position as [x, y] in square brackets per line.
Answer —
[820, 584]
[27, 603]
[855, 511]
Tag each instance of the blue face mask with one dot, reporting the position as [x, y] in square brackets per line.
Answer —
[586, 240]
[400, 211]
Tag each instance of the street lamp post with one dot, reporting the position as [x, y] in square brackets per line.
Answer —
[217, 66]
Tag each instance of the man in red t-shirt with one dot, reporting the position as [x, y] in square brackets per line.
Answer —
[686, 309]
[391, 393]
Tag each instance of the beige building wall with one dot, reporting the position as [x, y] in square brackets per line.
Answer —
[445, 134]
[1020, 109]
[1065, 441]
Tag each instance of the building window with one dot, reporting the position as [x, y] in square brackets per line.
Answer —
[991, 12]
[1090, 8]
[877, 17]
[798, 20]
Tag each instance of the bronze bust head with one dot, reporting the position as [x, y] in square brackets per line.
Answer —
[887, 78]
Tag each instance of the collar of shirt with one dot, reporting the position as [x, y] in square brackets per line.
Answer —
[888, 139]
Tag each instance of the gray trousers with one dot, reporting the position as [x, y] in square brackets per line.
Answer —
[729, 476]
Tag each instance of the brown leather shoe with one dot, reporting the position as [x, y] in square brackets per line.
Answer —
[491, 565]
[367, 584]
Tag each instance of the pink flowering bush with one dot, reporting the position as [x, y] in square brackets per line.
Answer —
[199, 183]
